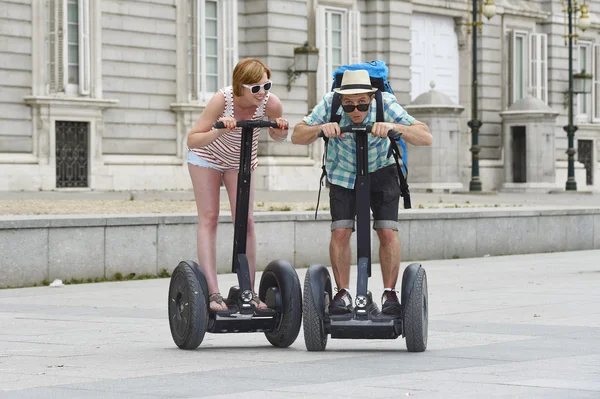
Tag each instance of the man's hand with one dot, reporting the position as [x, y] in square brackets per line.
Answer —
[332, 130]
[381, 129]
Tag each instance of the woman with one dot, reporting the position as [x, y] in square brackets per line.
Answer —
[214, 154]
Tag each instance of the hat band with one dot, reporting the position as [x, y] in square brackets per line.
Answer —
[356, 86]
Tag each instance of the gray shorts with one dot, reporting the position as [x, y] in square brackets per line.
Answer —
[385, 199]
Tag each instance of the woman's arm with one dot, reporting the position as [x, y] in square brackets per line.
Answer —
[274, 111]
[202, 134]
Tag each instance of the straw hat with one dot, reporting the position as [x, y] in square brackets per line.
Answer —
[355, 82]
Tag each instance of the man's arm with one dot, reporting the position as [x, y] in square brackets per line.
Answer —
[307, 130]
[305, 134]
[413, 131]
[416, 134]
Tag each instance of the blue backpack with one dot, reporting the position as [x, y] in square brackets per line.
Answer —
[378, 72]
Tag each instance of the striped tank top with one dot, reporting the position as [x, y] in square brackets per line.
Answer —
[224, 152]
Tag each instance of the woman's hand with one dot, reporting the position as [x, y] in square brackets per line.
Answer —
[280, 133]
[282, 123]
[229, 122]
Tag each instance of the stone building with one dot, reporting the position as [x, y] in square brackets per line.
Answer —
[100, 94]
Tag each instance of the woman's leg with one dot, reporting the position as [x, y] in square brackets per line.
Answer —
[230, 178]
[206, 183]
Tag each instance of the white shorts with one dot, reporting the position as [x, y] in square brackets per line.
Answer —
[197, 160]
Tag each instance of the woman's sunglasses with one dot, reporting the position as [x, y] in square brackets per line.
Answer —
[361, 107]
[256, 88]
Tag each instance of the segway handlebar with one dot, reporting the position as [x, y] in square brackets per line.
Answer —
[361, 129]
[252, 123]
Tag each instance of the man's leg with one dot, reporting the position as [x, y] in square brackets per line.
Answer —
[389, 256]
[340, 253]
[385, 199]
[341, 203]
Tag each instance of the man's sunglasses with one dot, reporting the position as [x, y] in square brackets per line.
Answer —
[361, 107]
[256, 88]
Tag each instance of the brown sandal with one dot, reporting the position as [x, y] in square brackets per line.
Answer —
[218, 299]
[257, 302]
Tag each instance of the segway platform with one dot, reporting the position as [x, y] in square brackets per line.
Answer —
[242, 317]
[369, 325]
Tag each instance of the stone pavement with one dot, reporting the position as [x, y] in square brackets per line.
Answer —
[513, 326]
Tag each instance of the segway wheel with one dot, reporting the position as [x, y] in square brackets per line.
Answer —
[280, 289]
[188, 310]
[317, 295]
[416, 308]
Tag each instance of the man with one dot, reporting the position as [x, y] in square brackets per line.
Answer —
[359, 107]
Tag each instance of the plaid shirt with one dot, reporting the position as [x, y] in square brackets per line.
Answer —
[341, 152]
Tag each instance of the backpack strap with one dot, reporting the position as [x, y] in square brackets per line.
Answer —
[336, 103]
[323, 173]
[395, 151]
[379, 100]
[404, 191]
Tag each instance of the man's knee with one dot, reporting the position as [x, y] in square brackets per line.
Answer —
[388, 236]
[341, 236]
[386, 225]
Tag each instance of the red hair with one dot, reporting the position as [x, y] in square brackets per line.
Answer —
[248, 71]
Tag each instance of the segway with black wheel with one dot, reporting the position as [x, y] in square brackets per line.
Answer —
[365, 321]
[190, 316]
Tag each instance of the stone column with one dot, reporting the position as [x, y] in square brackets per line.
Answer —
[436, 168]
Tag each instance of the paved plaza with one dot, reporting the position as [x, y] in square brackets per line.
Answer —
[559, 198]
[510, 327]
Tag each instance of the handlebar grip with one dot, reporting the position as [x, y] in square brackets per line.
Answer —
[394, 134]
[366, 129]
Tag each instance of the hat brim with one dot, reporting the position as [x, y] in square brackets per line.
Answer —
[355, 91]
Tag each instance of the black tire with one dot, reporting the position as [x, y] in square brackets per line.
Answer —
[188, 310]
[317, 295]
[416, 311]
[282, 276]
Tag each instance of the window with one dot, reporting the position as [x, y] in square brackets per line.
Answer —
[518, 65]
[583, 64]
[212, 46]
[538, 66]
[528, 66]
[595, 84]
[588, 61]
[68, 46]
[338, 38]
